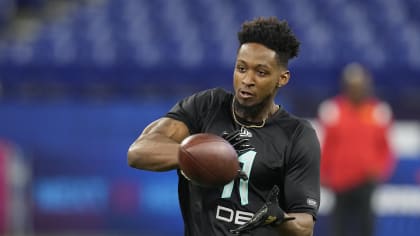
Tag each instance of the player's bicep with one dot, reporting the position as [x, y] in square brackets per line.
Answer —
[157, 147]
[168, 127]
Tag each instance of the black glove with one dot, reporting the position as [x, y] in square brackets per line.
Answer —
[269, 213]
[240, 143]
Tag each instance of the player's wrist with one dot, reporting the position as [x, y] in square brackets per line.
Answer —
[276, 215]
[283, 218]
[269, 214]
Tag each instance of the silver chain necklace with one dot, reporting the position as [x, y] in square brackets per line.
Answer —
[244, 125]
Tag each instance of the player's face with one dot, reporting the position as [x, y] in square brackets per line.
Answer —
[257, 75]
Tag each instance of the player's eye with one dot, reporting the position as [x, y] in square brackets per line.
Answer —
[240, 68]
[262, 73]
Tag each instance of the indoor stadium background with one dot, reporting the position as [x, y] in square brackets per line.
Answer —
[79, 80]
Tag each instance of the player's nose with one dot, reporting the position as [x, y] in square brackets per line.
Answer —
[248, 79]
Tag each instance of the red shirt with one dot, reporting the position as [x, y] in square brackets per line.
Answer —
[355, 147]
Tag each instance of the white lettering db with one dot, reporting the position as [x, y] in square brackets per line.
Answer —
[229, 215]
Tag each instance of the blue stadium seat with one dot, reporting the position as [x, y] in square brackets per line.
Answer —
[7, 10]
[201, 36]
[361, 30]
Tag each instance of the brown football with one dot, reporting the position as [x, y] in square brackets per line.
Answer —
[208, 160]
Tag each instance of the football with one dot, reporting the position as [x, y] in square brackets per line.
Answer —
[208, 160]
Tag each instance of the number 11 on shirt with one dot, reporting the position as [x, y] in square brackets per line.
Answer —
[246, 159]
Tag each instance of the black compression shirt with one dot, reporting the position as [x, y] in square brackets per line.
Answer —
[287, 154]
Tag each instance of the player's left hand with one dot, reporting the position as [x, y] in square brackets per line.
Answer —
[269, 214]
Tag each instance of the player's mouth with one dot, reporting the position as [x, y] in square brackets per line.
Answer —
[245, 94]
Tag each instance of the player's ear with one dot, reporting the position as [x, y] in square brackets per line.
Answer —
[283, 78]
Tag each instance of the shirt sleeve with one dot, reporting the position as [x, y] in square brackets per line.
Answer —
[302, 180]
[194, 109]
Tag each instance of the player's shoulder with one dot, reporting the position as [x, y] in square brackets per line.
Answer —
[213, 95]
[219, 92]
[295, 124]
[302, 123]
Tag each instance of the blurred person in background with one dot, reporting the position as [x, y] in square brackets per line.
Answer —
[282, 150]
[15, 184]
[356, 154]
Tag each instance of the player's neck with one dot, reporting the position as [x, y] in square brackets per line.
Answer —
[254, 115]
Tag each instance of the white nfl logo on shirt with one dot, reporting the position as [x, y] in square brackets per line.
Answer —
[312, 202]
[245, 133]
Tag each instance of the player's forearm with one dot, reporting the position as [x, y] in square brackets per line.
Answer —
[153, 152]
[302, 225]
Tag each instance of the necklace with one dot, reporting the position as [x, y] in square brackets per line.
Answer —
[244, 125]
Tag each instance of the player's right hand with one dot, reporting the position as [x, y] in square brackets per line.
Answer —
[240, 143]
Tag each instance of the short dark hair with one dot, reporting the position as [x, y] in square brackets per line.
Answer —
[272, 33]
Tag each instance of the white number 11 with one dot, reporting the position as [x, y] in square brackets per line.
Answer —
[246, 159]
